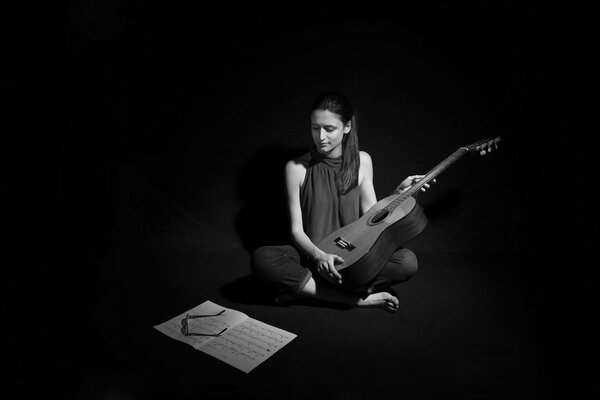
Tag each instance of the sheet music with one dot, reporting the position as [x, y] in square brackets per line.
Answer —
[228, 319]
[245, 344]
[248, 344]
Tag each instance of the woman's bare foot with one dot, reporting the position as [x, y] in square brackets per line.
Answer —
[325, 291]
[380, 300]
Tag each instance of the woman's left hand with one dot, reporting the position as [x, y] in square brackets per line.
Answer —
[411, 180]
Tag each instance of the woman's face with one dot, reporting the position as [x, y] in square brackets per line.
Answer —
[328, 130]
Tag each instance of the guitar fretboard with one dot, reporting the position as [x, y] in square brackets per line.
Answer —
[441, 167]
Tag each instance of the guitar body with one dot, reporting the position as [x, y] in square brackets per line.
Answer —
[367, 243]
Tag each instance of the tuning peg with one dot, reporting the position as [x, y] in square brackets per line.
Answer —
[489, 149]
[482, 152]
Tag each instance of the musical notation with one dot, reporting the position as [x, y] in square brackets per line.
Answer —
[248, 344]
[245, 344]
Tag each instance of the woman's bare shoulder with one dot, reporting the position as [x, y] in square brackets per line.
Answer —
[365, 160]
[299, 163]
[296, 169]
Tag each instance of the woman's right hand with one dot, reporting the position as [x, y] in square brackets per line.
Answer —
[326, 267]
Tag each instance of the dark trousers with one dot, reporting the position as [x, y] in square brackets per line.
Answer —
[284, 267]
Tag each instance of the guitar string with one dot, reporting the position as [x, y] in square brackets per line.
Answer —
[430, 175]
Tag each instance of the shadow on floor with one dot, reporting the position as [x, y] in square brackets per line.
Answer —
[249, 290]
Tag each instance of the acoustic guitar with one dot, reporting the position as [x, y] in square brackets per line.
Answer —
[367, 243]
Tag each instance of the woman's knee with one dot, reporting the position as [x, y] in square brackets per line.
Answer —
[269, 261]
[407, 261]
[259, 260]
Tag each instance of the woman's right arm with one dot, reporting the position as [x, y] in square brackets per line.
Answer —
[294, 177]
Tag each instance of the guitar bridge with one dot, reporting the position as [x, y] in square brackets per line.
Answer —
[344, 244]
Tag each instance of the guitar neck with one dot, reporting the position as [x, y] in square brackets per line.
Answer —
[441, 167]
[483, 146]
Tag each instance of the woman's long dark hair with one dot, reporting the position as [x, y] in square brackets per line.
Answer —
[338, 104]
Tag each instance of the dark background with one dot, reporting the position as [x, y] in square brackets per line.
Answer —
[143, 147]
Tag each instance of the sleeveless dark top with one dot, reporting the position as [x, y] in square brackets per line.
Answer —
[323, 209]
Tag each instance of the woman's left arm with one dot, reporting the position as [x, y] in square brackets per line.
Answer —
[368, 198]
[367, 190]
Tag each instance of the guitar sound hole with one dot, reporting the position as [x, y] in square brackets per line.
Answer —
[380, 216]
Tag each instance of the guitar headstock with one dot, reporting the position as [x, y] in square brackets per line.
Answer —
[483, 146]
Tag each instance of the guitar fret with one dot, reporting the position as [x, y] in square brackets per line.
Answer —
[430, 175]
[373, 248]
